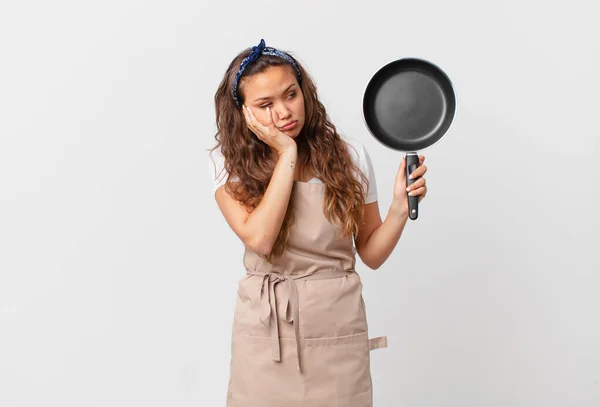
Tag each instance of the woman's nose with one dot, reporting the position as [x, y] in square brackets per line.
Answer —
[283, 112]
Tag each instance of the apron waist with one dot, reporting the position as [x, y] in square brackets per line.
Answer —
[268, 313]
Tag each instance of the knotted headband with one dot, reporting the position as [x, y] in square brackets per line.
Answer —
[257, 51]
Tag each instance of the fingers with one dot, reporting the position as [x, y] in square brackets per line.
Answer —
[419, 191]
[400, 175]
[269, 118]
[418, 185]
[419, 172]
[402, 166]
[253, 123]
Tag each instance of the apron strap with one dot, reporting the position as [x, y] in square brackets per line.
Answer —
[379, 342]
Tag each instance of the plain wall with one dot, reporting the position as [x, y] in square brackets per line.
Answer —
[118, 273]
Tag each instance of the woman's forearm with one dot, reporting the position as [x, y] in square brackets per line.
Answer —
[266, 219]
[384, 238]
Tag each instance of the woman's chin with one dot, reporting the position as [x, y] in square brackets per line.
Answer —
[293, 133]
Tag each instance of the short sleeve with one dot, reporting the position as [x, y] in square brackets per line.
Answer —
[369, 171]
[363, 160]
[216, 164]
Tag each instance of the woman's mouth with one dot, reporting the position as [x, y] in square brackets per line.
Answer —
[289, 126]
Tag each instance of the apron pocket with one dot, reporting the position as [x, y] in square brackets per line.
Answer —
[336, 368]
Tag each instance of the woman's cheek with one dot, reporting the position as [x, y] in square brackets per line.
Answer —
[301, 107]
[263, 116]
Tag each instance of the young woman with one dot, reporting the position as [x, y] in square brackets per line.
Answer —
[303, 200]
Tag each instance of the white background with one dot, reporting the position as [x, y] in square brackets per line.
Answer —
[118, 273]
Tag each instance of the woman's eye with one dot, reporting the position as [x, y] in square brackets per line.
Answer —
[290, 96]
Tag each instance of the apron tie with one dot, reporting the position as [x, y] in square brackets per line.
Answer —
[268, 312]
[269, 316]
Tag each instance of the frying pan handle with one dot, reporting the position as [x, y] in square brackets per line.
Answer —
[412, 162]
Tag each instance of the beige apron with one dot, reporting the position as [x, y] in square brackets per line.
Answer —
[300, 335]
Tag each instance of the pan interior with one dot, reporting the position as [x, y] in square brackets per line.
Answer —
[409, 108]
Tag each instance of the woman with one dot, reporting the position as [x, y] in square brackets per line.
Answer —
[303, 200]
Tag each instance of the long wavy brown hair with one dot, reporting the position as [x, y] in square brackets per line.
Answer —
[249, 159]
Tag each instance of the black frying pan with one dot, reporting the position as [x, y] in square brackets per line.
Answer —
[408, 105]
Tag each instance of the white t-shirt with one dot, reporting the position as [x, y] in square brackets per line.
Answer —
[359, 154]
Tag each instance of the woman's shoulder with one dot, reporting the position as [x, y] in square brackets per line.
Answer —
[216, 165]
[360, 157]
[357, 149]
[216, 162]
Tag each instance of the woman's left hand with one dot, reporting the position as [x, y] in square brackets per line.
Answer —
[418, 188]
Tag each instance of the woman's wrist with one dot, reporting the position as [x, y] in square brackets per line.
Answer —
[289, 152]
[286, 162]
[399, 209]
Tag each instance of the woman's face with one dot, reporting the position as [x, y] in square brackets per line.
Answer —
[276, 88]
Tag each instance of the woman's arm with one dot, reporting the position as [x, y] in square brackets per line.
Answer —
[259, 228]
[376, 239]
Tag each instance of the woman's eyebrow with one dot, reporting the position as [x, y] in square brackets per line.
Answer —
[269, 97]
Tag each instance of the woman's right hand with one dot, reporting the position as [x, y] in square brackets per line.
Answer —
[268, 133]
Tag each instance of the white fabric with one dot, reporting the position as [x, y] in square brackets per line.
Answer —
[358, 153]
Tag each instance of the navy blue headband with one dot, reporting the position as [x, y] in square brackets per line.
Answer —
[257, 51]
